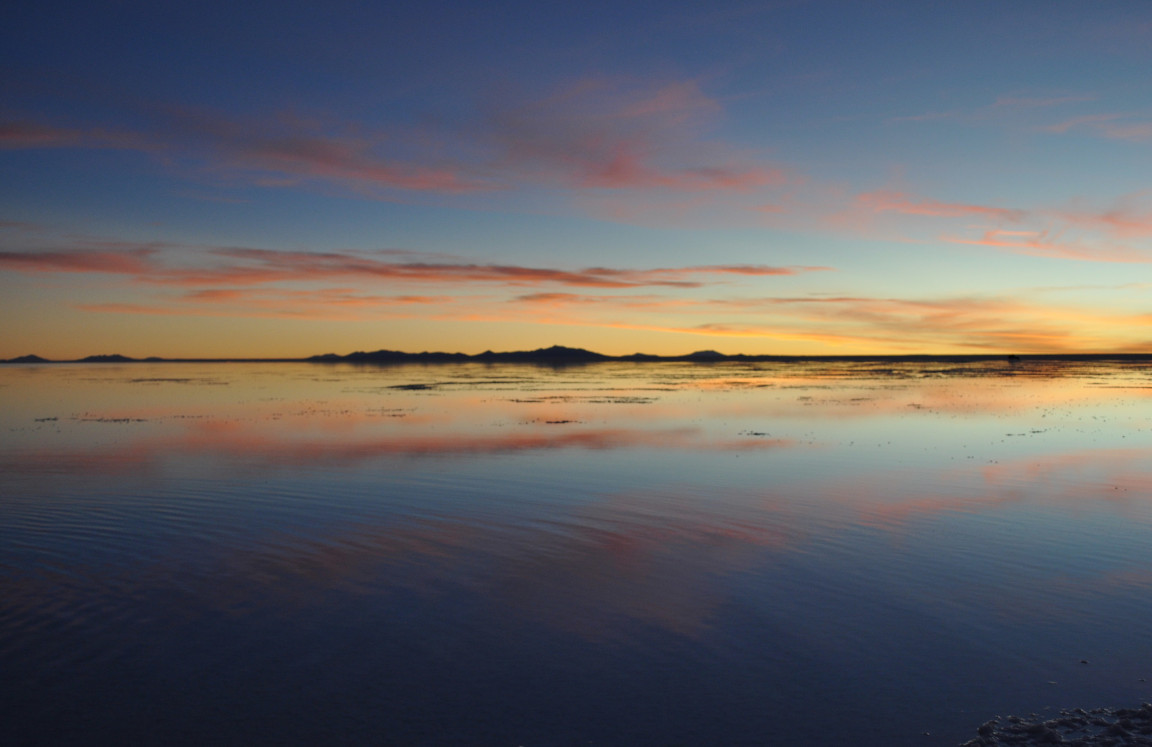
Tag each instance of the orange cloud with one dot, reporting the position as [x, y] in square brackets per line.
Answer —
[327, 296]
[859, 323]
[325, 303]
[968, 324]
[971, 322]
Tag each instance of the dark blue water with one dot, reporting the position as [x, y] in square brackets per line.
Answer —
[613, 555]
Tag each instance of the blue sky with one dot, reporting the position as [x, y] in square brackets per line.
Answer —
[780, 177]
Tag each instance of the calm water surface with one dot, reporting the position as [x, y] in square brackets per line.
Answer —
[834, 553]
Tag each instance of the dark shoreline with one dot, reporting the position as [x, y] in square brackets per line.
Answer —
[1097, 727]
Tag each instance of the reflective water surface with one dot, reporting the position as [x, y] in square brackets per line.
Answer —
[831, 553]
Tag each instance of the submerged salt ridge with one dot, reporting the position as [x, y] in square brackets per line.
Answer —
[821, 553]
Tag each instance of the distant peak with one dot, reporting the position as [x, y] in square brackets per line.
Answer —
[566, 351]
[114, 358]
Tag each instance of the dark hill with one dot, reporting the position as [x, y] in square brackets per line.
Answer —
[389, 356]
[553, 355]
[114, 358]
[557, 355]
[28, 359]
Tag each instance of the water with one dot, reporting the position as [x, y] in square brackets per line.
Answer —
[831, 553]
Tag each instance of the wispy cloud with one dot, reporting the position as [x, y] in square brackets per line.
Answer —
[899, 216]
[20, 226]
[1005, 105]
[246, 266]
[955, 323]
[137, 261]
[273, 151]
[822, 324]
[24, 135]
[883, 201]
[286, 151]
[1114, 126]
[1047, 244]
[329, 296]
[605, 134]
[1115, 233]
[1129, 218]
[595, 134]
[1035, 114]
[850, 322]
[1037, 102]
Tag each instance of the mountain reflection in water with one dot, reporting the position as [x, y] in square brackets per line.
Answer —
[820, 553]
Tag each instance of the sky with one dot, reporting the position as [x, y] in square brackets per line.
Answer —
[239, 179]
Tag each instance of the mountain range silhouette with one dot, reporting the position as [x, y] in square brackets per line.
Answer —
[559, 355]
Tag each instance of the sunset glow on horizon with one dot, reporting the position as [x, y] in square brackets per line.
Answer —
[790, 178]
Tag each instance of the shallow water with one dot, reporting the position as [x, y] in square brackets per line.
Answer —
[852, 552]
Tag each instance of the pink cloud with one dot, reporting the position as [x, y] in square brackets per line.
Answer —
[1087, 120]
[1112, 126]
[882, 201]
[286, 151]
[134, 261]
[602, 135]
[1004, 106]
[273, 153]
[1131, 218]
[19, 225]
[242, 266]
[327, 297]
[594, 135]
[1036, 102]
[277, 303]
[1075, 232]
[24, 135]
[926, 117]
[17, 135]
[1040, 243]
[1138, 131]
[344, 159]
